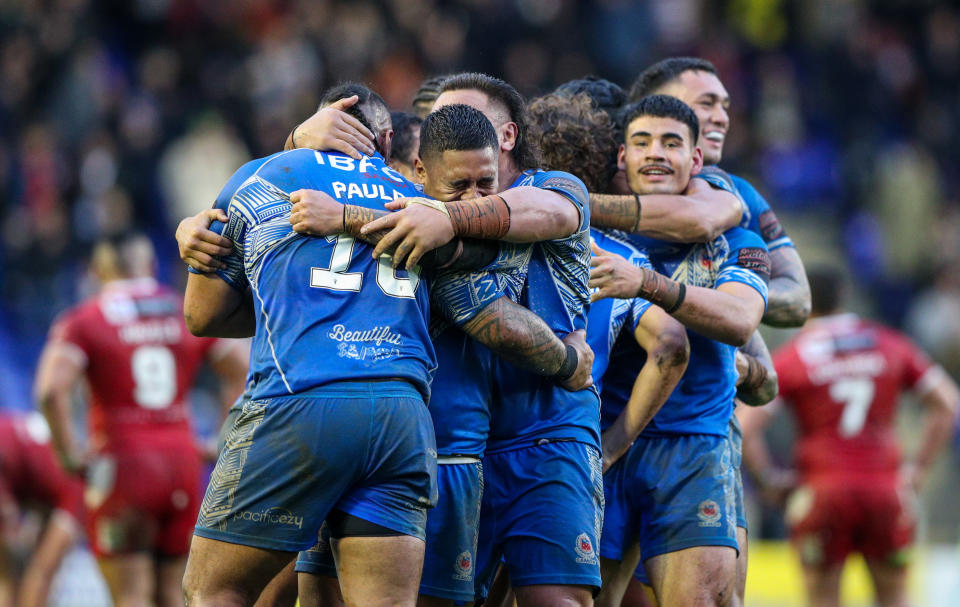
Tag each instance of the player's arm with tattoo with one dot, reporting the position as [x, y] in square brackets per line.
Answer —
[757, 384]
[668, 351]
[730, 313]
[522, 338]
[521, 214]
[788, 303]
[700, 214]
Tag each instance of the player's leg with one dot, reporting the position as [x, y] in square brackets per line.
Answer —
[58, 538]
[823, 584]
[130, 578]
[225, 574]
[639, 595]
[702, 575]
[741, 588]
[319, 590]
[281, 591]
[889, 581]
[379, 570]
[617, 575]
[169, 572]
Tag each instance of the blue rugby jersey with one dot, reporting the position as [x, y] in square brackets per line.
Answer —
[703, 400]
[326, 311]
[608, 316]
[528, 407]
[758, 217]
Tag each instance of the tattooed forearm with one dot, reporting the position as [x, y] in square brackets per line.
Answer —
[487, 217]
[614, 211]
[518, 336]
[355, 217]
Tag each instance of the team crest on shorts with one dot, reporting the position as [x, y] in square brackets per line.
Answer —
[584, 550]
[464, 567]
[709, 513]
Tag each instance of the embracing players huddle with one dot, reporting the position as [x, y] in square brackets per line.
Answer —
[573, 287]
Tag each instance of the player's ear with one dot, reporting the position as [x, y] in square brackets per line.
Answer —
[419, 171]
[384, 142]
[508, 136]
[697, 161]
[622, 158]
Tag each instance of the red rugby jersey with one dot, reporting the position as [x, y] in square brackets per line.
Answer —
[842, 377]
[140, 362]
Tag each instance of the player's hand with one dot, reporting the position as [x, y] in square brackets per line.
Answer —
[199, 245]
[413, 232]
[582, 378]
[613, 275]
[912, 478]
[315, 213]
[73, 463]
[333, 129]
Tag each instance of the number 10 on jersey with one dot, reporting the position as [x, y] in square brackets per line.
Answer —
[337, 277]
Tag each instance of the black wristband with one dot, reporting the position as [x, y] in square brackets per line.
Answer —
[569, 366]
[682, 293]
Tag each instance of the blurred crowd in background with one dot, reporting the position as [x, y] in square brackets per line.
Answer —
[130, 114]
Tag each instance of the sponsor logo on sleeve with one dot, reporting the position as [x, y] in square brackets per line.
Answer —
[756, 260]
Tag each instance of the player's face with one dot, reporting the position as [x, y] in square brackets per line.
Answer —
[459, 174]
[704, 92]
[658, 155]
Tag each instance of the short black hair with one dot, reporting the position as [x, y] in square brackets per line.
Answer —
[427, 93]
[660, 73]
[826, 289]
[605, 95]
[368, 109]
[524, 155]
[662, 106]
[455, 127]
[404, 124]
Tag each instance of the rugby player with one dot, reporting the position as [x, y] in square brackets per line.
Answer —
[31, 478]
[457, 161]
[688, 540]
[842, 377]
[535, 424]
[266, 563]
[142, 492]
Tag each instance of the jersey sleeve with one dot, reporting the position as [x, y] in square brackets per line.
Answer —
[763, 221]
[459, 296]
[748, 262]
[235, 228]
[570, 187]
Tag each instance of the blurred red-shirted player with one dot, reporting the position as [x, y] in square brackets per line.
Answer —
[842, 378]
[142, 466]
[32, 478]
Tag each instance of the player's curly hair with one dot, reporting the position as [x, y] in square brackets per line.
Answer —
[660, 73]
[524, 155]
[575, 136]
